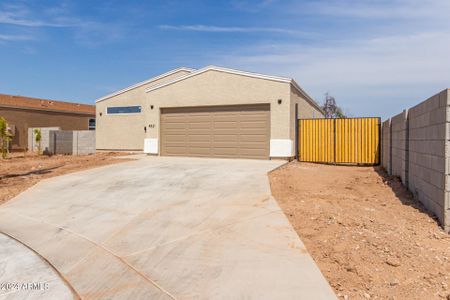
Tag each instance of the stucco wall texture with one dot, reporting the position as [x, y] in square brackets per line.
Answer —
[125, 132]
[420, 153]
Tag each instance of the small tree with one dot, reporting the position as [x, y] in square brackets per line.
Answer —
[332, 110]
[37, 138]
[5, 137]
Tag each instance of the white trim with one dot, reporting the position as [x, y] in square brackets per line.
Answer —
[238, 72]
[144, 82]
[150, 146]
[281, 148]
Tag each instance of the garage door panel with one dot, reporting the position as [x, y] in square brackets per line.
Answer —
[199, 117]
[176, 138]
[254, 116]
[253, 138]
[232, 145]
[233, 131]
[226, 124]
[199, 131]
[175, 150]
[226, 138]
[250, 131]
[251, 145]
[253, 124]
[200, 137]
[197, 125]
[225, 152]
[202, 151]
[250, 152]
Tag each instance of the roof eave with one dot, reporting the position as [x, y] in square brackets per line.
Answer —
[308, 98]
[139, 84]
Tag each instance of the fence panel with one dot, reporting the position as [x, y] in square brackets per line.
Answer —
[349, 140]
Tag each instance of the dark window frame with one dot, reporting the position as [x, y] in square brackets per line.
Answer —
[123, 110]
[92, 127]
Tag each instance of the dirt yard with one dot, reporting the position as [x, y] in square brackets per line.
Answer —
[19, 172]
[369, 237]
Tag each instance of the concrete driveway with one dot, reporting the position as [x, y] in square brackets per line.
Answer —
[167, 228]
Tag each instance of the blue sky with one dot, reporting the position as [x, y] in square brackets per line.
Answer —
[375, 57]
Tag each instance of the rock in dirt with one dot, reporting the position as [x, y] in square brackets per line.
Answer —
[393, 262]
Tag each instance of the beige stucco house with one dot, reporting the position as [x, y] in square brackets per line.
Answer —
[209, 112]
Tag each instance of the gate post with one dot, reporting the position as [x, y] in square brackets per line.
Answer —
[297, 154]
[334, 136]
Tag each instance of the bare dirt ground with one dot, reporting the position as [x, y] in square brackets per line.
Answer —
[19, 171]
[369, 237]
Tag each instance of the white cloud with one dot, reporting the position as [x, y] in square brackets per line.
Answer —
[400, 9]
[218, 29]
[361, 73]
[7, 37]
[86, 32]
[20, 15]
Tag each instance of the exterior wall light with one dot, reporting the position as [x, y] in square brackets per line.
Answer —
[279, 101]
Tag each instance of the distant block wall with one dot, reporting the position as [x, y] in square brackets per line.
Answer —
[62, 142]
[416, 148]
[84, 142]
[56, 141]
[386, 145]
[77, 142]
[45, 139]
[399, 148]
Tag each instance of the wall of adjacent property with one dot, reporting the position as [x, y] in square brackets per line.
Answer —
[78, 142]
[22, 119]
[45, 139]
[418, 153]
[69, 142]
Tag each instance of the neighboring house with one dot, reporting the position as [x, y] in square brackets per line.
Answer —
[210, 112]
[22, 113]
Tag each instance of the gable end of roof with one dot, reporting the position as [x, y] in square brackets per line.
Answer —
[220, 69]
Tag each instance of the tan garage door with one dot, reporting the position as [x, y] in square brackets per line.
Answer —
[220, 131]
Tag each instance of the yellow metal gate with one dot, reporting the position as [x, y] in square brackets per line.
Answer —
[349, 140]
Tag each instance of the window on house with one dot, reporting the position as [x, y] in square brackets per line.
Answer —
[123, 110]
[91, 124]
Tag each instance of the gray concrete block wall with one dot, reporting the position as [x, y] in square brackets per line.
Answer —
[399, 140]
[62, 142]
[78, 142]
[429, 124]
[57, 141]
[84, 142]
[386, 145]
[418, 141]
[45, 139]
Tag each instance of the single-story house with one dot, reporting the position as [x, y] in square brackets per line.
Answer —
[209, 112]
[22, 113]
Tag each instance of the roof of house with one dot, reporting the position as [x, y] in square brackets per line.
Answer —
[45, 104]
[238, 72]
[139, 84]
